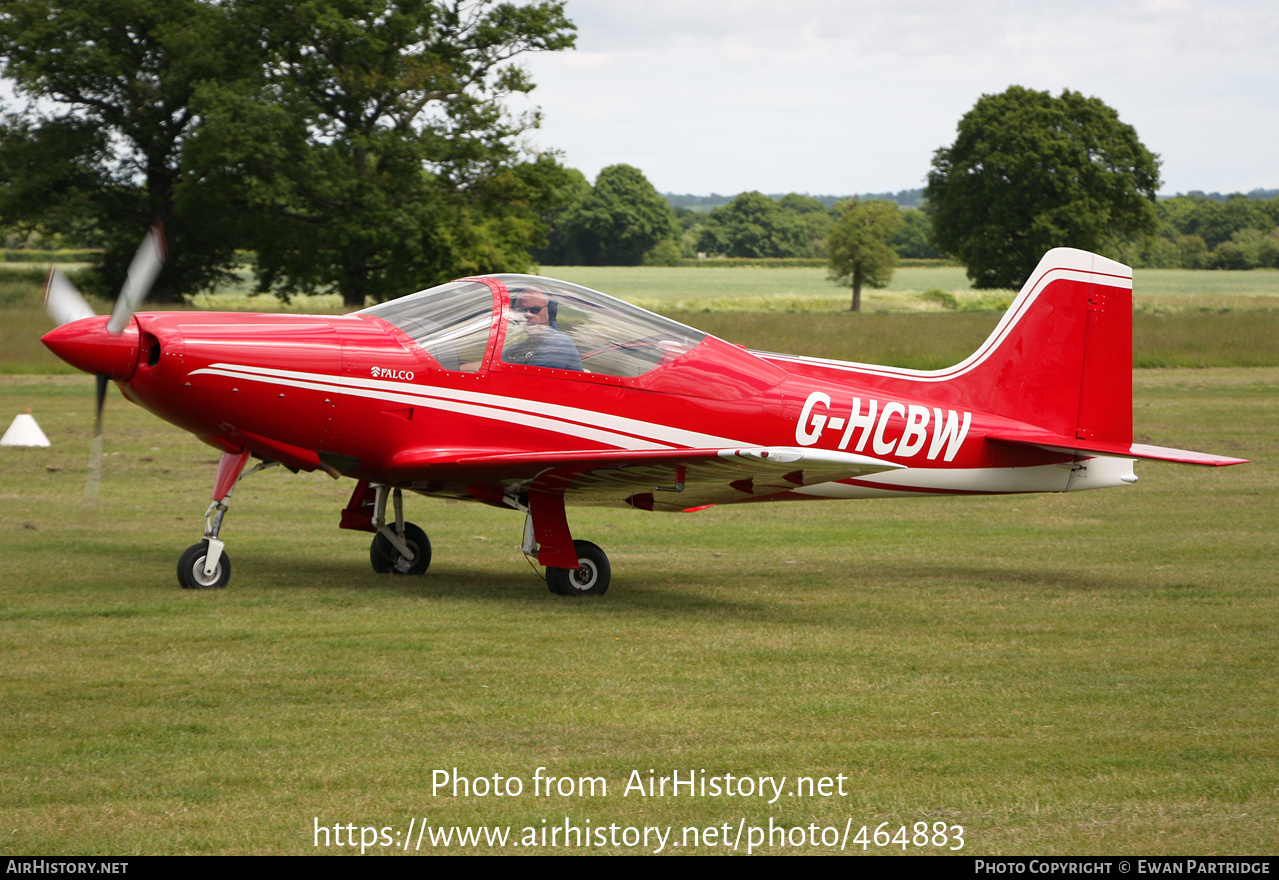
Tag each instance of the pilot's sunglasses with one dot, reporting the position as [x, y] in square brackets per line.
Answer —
[532, 310]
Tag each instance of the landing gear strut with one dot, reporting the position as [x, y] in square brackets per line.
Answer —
[547, 539]
[204, 566]
[399, 548]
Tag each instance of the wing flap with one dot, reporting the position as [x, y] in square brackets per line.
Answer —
[653, 479]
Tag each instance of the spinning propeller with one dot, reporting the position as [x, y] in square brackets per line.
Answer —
[97, 345]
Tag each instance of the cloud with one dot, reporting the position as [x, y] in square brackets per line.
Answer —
[825, 96]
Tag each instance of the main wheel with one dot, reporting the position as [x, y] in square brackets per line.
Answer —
[589, 580]
[191, 574]
[385, 558]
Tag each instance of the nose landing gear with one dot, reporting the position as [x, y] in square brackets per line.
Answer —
[204, 566]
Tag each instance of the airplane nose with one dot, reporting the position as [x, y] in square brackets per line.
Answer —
[86, 345]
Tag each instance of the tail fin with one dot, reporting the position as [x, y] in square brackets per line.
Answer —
[1061, 358]
[1060, 362]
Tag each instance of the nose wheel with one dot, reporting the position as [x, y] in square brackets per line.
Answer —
[191, 569]
[205, 566]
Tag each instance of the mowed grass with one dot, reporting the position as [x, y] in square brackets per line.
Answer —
[1083, 673]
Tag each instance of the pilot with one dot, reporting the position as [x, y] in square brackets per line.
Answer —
[545, 344]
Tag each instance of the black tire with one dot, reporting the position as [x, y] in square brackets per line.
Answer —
[591, 579]
[191, 574]
[384, 556]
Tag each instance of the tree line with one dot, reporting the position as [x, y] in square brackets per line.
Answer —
[623, 220]
[1198, 232]
[367, 147]
[905, 198]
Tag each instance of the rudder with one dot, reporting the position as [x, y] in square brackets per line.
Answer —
[1061, 357]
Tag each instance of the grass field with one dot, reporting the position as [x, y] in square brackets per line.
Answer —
[1085, 673]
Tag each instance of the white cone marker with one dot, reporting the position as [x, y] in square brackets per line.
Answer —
[24, 432]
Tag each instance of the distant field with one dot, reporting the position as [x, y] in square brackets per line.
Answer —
[933, 340]
[1092, 673]
[669, 287]
[1231, 289]
[808, 289]
[1183, 318]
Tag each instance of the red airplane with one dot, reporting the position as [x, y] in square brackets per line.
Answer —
[532, 394]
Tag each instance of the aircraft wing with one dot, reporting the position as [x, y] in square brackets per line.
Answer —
[1058, 443]
[662, 479]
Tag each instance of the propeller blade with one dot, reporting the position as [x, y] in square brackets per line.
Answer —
[62, 301]
[146, 265]
[94, 481]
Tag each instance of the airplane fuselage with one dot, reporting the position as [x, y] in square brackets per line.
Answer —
[353, 394]
[532, 394]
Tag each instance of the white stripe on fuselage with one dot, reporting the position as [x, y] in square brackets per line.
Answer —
[585, 424]
[625, 433]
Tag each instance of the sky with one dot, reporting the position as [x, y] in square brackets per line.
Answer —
[850, 96]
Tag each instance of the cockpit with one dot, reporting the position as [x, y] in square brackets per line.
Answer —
[536, 322]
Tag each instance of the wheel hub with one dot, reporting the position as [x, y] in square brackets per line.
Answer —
[197, 573]
[584, 577]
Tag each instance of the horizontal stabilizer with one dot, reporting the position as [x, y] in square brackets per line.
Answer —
[1058, 443]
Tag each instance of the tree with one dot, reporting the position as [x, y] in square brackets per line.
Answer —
[915, 239]
[100, 148]
[377, 155]
[1216, 221]
[1029, 172]
[753, 225]
[357, 145]
[859, 249]
[557, 247]
[814, 216]
[614, 223]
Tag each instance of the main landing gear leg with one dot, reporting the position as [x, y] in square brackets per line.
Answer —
[404, 549]
[204, 566]
[573, 568]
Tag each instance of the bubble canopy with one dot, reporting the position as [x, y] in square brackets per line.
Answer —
[566, 323]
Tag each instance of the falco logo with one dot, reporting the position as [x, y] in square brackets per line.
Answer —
[384, 373]
[898, 429]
